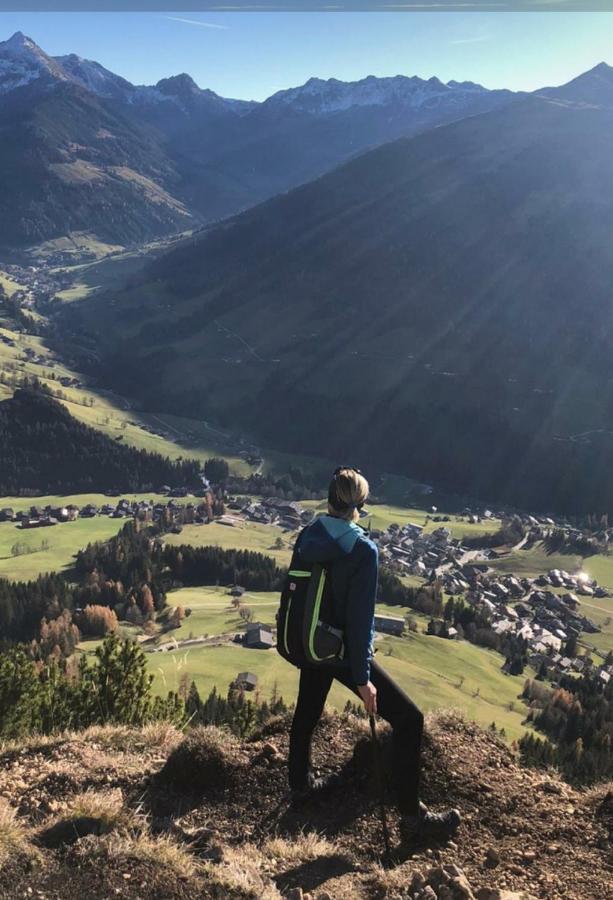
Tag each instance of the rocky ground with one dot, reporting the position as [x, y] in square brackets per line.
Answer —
[115, 812]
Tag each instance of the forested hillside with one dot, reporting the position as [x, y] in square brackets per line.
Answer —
[43, 449]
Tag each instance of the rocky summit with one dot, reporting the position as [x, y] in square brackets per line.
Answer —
[120, 812]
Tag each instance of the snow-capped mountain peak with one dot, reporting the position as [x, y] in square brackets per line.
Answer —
[20, 44]
[22, 61]
[183, 90]
[467, 86]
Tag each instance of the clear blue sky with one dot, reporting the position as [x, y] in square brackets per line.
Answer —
[251, 55]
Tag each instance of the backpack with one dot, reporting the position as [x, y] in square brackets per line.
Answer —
[305, 635]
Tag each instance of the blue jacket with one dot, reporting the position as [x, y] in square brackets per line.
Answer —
[352, 562]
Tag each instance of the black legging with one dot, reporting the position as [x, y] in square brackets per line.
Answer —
[392, 704]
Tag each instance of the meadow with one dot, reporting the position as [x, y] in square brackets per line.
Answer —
[64, 540]
[9, 284]
[213, 614]
[248, 536]
[61, 544]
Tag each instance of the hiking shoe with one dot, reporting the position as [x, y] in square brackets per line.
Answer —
[428, 825]
[314, 787]
[324, 783]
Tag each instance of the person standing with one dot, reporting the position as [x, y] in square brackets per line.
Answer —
[350, 557]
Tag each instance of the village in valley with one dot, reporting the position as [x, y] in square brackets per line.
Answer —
[543, 613]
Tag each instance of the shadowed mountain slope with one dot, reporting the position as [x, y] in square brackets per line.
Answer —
[70, 164]
[439, 306]
[594, 88]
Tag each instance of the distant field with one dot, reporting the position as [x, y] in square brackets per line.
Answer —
[600, 567]
[78, 242]
[64, 541]
[9, 285]
[435, 673]
[212, 612]
[600, 610]
[104, 274]
[249, 536]
[79, 291]
[530, 563]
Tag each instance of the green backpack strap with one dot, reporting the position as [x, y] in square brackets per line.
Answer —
[321, 642]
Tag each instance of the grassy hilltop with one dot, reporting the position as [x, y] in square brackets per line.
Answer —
[145, 813]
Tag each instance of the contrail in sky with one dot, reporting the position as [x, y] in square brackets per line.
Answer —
[196, 22]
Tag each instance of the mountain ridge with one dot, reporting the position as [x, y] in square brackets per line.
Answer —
[594, 87]
[86, 151]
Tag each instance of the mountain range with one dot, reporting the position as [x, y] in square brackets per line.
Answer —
[84, 150]
[439, 305]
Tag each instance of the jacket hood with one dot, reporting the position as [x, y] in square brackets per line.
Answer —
[328, 538]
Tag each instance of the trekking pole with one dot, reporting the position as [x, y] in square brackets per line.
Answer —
[376, 748]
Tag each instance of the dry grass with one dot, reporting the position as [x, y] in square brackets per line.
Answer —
[160, 736]
[32, 742]
[105, 806]
[304, 847]
[162, 852]
[390, 882]
[242, 873]
[13, 837]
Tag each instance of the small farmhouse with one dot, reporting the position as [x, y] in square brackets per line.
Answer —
[245, 681]
[389, 625]
[259, 638]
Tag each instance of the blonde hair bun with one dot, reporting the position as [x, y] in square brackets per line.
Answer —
[347, 493]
